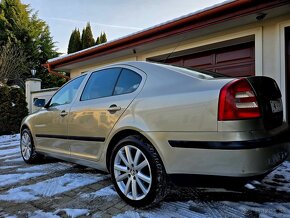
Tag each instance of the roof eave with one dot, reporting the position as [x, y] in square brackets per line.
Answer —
[229, 10]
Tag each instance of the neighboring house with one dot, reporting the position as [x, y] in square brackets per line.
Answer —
[237, 38]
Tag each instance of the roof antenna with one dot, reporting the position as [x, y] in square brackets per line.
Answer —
[168, 56]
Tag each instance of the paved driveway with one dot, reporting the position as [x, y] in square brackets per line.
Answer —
[60, 189]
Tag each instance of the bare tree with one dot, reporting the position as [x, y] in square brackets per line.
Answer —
[13, 63]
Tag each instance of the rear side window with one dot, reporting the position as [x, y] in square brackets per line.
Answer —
[101, 84]
[128, 82]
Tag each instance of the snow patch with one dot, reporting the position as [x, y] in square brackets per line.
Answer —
[255, 182]
[9, 156]
[6, 215]
[176, 209]
[211, 209]
[9, 179]
[104, 192]
[9, 145]
[50, 187]
[51, 167]
[251, 209]
[8, 167]
[107, 191]
[9, 138]
[249, 186]
[73, 212]
[19, 159]
[9, 151]
[279, 179]
[41, 214]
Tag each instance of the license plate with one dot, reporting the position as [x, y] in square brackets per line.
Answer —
[276, 106]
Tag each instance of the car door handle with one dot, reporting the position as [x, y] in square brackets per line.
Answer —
[114, 108]
[63, 113]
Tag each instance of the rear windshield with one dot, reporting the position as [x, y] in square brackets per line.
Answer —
[202, 74]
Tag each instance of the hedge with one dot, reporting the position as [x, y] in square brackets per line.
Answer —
[13, 108]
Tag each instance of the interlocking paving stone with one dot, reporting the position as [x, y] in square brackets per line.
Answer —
[269, 198]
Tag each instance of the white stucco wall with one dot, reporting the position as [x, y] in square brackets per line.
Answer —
[33, 90]
[42, 94]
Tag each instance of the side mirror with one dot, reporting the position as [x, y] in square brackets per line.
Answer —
[39, 102]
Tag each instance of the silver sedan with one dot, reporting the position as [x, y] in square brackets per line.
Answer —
[148, 123]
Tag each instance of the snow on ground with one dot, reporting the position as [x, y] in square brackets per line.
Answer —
[73, 212]
[51, 167]
[280, 178]
[104, 192]
[212, 209]
[9, 151]
[9, 138]
[8, 167]
[8, 145]
[41, 214]
[18, 159]
[250, 186]
[50, 187]
[22, 184]
[9, 179]
[6, 215]
[6, 157]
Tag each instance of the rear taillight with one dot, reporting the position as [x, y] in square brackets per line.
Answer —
[237, 101]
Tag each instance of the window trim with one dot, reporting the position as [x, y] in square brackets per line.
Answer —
[119, 78]
[67, 83]
[80, 98]
[114, 87]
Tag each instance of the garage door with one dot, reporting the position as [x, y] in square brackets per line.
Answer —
[236, 61]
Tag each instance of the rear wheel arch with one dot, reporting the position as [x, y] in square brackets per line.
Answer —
[121, 135]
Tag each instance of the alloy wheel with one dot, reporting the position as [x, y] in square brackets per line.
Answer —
[132, 172]
[26, 146]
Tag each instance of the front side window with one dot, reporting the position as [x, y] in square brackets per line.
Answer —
[67, 93]
[101, 84]
[128, 82]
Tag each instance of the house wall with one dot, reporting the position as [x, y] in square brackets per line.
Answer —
[269, 48]
[79, 71]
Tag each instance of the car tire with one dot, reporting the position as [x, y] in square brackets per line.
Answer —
[27, 148]
[142, 181]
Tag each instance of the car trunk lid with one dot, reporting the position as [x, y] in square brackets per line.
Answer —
[269, 99]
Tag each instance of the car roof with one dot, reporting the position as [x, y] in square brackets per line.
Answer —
[157, 68]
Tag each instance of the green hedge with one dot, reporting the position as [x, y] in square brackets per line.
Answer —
[13, 108]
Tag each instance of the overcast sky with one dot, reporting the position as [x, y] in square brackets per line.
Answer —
[116, 18]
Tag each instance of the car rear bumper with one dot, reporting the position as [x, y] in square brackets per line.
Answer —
[246, 158]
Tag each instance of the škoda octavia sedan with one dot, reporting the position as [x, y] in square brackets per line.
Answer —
[147, 123]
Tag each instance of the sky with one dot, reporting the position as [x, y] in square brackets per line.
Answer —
[117, 18]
